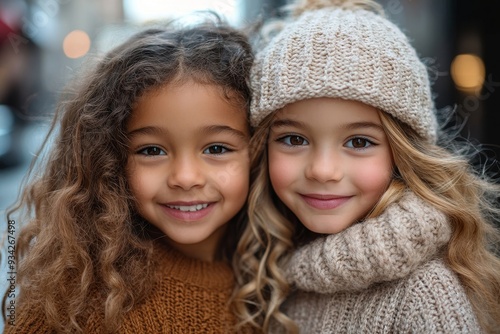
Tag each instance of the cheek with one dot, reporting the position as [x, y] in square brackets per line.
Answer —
[282, 171]
[140, 184]
[234, 179]
[230, 174]
[131, 174]
[374, 177]
[239, 183]
[137, 188]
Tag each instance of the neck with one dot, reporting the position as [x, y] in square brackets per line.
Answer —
[207, 250]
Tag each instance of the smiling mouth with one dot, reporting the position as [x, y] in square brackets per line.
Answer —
[188, 208]
[325, 202]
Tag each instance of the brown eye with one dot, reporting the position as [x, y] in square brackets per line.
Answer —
[359, 143]
[152, 150]
[216, 149]
[293, 140]
[296, 140]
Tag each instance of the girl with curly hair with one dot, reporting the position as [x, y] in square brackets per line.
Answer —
[134, 218]
[365, 215]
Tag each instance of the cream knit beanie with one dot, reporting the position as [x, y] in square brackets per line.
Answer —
[343, 50]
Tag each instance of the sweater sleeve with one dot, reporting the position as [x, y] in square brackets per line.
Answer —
[390, 246]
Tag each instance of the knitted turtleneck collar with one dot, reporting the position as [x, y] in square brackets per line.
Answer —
[409, 233]
[216, 275]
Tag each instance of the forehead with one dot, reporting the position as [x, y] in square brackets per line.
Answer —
[185, 104]
[328, 111]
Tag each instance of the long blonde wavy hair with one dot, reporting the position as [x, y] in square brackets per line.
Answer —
[83, 248]
[440, 174]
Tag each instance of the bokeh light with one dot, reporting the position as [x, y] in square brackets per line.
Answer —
[76, 44]
[468, 72]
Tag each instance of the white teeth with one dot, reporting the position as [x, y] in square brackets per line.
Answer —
[191, 208]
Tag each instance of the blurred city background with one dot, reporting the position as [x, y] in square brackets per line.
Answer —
[44, 42]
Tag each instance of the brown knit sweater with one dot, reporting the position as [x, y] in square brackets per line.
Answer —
[191, 297]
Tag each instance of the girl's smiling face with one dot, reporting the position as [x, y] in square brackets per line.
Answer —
[188, 166]
[329, 161]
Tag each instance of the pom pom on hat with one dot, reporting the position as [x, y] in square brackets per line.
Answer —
[343, 49]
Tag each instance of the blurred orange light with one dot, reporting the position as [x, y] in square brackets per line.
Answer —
[468, 72]
[76, 44]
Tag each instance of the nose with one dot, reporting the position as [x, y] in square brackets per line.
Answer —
[325, 165]
[185, 172]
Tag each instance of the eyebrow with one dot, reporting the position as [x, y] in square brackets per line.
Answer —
[208, 130]
[286, 122]
[363, 125]
[147, 130]
[350, 126]
[216, 129]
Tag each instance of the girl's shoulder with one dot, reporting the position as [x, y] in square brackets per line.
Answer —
[436, 280]
[435, 272]
[436, 295]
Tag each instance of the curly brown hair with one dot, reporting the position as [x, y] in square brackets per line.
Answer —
[83, 241]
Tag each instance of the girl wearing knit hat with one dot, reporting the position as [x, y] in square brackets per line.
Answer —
[134, 219]
[363, 217]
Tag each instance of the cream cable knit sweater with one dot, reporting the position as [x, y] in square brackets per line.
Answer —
[384, 275]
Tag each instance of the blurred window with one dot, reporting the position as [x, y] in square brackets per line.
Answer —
[140, 11]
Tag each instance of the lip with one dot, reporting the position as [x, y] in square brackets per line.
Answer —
[325, 201]
[187, 215]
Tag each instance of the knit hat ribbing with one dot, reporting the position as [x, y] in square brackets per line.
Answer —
[348, 53]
